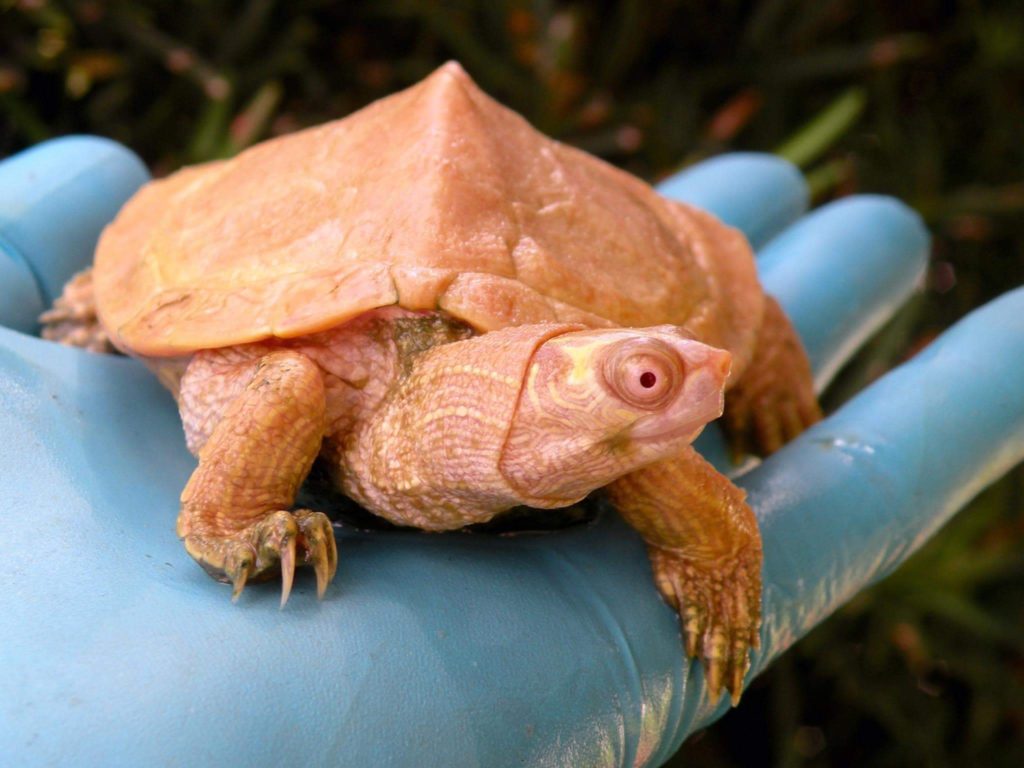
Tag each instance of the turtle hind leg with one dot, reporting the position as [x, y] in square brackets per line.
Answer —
[774, 399]
[72, 320]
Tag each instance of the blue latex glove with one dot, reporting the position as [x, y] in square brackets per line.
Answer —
[453, 649]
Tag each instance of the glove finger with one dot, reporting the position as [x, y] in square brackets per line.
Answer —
[842, 271]
[54, 200]
[759, 194]
[878, 477]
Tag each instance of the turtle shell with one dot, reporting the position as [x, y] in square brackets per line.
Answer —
[436, 197]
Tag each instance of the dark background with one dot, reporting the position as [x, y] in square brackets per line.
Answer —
[921, 100]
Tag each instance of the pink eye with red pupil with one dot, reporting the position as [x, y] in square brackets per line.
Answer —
[645, 373]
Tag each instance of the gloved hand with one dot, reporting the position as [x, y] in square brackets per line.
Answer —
[452, 649]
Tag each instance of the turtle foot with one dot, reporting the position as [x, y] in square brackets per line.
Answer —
[72, 320]
[761, 422]
[720, 609]
[774, 400]
[268, 548]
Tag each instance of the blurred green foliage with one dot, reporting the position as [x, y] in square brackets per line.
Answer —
[921, 100]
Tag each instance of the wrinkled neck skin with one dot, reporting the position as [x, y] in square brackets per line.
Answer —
[430, 452]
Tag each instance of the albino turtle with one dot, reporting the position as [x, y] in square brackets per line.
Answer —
[458, 316]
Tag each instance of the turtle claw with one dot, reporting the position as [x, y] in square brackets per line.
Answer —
[715, 674]
[269, 547]
[740, 665]
[238, 584]
[720, 611]
[287, 569]
[322, 578]
[237, 563]
[321, 548]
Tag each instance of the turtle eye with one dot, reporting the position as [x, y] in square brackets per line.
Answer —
[646, 373]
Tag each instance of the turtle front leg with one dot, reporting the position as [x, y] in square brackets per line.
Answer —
[235, 518]
[774, 400]
[705, 551]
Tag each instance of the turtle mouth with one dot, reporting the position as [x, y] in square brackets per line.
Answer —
[661, 433]
[650, 429]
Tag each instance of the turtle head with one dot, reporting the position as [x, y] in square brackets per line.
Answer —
[597, 404]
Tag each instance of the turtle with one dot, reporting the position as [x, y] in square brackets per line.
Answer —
[456, 316]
